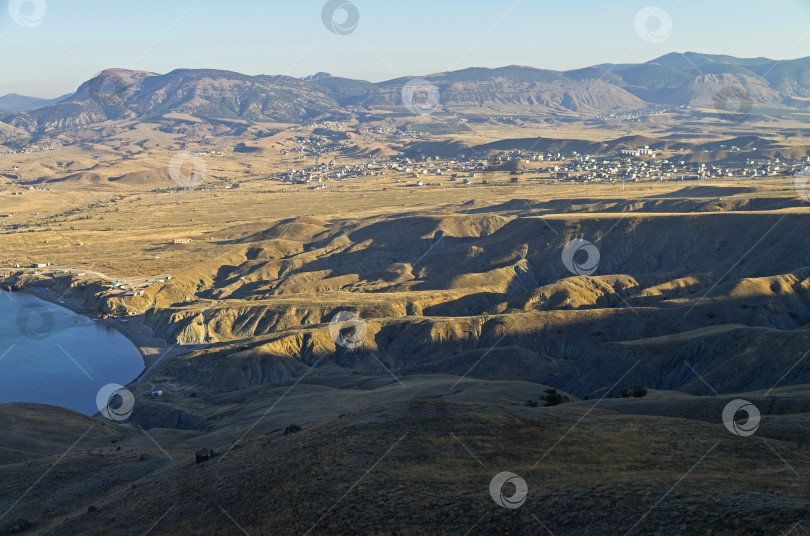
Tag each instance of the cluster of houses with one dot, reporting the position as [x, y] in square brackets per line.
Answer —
[633, 165]
[321, 172]
[45, 268]
[587, 168]
[206, 153]
[131, 291]
[625, 164]
[32, 188]
[638, 115]
[28, 149]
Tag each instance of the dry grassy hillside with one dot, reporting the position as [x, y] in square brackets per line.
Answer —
[373, 470]
[469, 321]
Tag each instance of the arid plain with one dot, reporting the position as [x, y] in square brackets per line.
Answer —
[462, 318]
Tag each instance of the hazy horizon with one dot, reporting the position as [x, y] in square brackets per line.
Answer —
[52, 48]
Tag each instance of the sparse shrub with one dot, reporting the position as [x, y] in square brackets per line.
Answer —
[636, 392]
[530, 404]
[639, 391]
[553, 398]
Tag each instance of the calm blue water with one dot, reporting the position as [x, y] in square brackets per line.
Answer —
[50, 355]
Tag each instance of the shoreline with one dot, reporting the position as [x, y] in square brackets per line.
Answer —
[153, 350]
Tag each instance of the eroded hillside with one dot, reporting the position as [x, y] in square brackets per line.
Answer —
[421, 343]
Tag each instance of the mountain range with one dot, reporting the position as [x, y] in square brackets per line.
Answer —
[14, 102]
[224, 97]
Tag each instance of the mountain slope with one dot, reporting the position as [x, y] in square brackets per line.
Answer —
[424, 467]
[690, 79]
[21, 103]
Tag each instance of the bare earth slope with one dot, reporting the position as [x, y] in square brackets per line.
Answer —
[474, 349]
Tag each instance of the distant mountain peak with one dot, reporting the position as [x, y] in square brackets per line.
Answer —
[14, 102]
[697, 59]
[687, 79]
[317, 76]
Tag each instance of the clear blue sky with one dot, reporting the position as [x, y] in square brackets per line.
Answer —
[78, 38]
